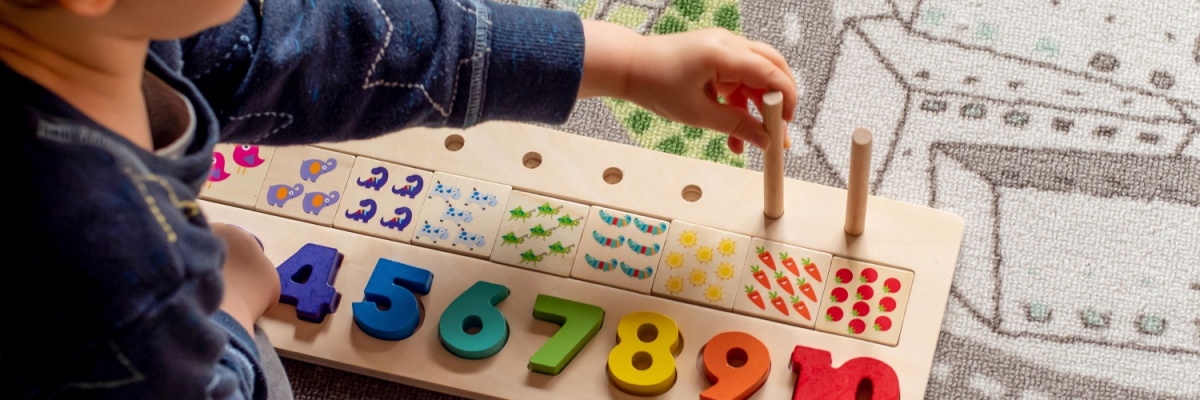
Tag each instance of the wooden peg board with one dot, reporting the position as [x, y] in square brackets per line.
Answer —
[903, 236]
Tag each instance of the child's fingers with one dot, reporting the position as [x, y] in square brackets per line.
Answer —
[773, 55]
[756, 72]
[733, 121]
[756, 96]
[737, 146]
[731, 98]
[789, 93]
[757, 65]
[739, 97]
[753, 70]
[736, 98]
[724, 89]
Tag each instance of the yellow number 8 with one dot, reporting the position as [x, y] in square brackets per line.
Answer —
[643, 362]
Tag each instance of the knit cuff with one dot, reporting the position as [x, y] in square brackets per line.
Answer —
[534, 64]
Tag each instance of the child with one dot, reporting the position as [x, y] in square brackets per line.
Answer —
[115, 118]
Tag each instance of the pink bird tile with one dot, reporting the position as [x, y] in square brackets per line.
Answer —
[237, 175]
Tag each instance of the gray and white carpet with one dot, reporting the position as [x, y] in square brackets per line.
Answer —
[1065, 132]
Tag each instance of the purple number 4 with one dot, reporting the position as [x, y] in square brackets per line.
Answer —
[306, 281]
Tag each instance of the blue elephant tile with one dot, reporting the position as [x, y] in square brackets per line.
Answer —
[237, 174]
[382, 199]
[305, 183]
[461, 214]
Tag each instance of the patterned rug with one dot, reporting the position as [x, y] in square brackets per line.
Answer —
[1064, 132]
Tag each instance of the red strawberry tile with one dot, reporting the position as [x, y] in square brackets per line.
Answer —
[865, 301]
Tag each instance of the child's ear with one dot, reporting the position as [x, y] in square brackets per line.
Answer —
[87, 8]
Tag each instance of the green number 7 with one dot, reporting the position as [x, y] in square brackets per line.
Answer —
[579, 321]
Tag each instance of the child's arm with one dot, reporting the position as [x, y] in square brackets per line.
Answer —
[125, 302]
[300, 72]
[295, 71]
[250, 287]
[251, 283]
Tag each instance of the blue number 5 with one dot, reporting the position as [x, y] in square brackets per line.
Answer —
[389, 310]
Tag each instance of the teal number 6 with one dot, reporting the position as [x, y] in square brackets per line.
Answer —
[389, 310]
[579, 321]
[472, 327]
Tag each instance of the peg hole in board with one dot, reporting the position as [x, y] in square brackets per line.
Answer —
[692, 193]
[532, 160]
[613, 175]
[455, 142]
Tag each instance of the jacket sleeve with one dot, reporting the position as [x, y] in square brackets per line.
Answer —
[127, 282]
[239, 373]
[303, 71]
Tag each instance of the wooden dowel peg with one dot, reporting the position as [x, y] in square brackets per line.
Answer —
[860, 175]
[772, 114]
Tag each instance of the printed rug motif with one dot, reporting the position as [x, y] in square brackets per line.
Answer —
[1066, 133]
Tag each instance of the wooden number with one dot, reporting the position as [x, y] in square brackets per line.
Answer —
[643, 362]
[472, 327]
[737, 364]
[306, 281]
[579, 321]
[819, 380]
[389, 310]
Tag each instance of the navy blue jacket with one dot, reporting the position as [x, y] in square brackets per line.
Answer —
[119, 271]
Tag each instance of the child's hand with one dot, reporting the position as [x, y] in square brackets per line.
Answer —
[251, 283]
[680, 76]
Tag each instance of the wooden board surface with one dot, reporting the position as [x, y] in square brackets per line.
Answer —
[909, 237]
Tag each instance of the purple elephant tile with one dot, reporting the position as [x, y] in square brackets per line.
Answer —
[306, 183]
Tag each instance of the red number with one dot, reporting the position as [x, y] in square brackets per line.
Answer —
[819, 380]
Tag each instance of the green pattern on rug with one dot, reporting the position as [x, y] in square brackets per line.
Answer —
[653, 132]
[647, 129]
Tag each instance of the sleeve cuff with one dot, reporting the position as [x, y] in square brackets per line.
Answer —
[239, 338]
[534, 64]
